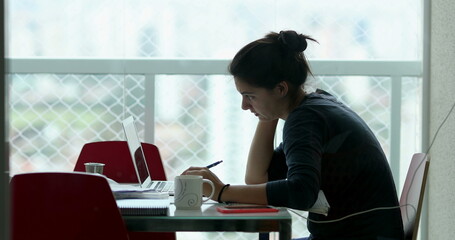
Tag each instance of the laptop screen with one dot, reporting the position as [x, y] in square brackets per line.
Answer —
[141, 165]
[137, 154]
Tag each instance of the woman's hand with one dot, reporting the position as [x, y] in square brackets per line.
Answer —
[255, 194]
[206, 174]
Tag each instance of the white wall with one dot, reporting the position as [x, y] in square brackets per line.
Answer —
[441, 191]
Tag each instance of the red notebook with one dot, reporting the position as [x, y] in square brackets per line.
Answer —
[246, 208]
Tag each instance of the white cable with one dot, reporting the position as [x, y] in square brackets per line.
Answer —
[350, 215]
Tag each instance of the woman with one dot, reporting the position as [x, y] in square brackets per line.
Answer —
[326, 146]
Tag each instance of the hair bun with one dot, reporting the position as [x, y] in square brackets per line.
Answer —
[292, 41]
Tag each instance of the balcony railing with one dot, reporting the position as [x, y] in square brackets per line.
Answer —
[34, 116]
[150, 68]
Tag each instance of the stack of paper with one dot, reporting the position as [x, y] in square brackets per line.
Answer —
[123, 191]
[321, 206]
[144, 207]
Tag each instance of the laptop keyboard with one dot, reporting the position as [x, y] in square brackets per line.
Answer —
[164, 186]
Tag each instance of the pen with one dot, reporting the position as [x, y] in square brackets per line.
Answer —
[214, 164]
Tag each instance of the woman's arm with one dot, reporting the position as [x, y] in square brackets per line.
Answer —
[261, 152]
[255, 194]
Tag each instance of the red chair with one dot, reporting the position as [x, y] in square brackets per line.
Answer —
[116, 156]
[64, 206]
[119, 167]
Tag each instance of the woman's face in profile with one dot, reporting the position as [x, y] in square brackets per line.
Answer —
[261, 102]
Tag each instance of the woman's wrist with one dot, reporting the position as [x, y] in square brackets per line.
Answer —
[221, 192]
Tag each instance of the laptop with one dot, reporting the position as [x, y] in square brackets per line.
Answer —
[139, 161]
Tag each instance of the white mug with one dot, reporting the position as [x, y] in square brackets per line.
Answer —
[188, 192]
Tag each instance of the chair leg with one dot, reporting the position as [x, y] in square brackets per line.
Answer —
[263, 236]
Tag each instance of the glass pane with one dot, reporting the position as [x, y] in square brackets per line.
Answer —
[369, 97]
[53, 116]
[353, 29]
[411, 123]
[199, 121]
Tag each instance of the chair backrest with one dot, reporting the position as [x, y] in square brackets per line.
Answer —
[412, 195]
[64, 206]
[119, 165]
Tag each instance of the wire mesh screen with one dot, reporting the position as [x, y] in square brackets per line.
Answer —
[52, 116]
[369, 97]
[198, 119]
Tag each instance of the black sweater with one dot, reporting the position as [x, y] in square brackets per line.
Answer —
[329, 147]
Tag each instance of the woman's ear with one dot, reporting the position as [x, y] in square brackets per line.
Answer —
[282, 88]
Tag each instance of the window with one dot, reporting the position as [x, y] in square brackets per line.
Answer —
[181, 95]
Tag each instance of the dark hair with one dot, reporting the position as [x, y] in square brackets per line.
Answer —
[272, 59]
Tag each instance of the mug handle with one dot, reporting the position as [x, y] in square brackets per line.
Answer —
[213, 189]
